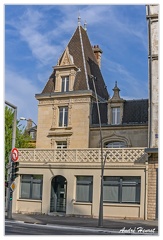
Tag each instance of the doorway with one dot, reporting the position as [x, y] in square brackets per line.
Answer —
[58, 194]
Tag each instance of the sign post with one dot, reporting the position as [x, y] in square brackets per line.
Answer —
[9, 192]
[13, 186]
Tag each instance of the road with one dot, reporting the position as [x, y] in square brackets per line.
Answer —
[20, 228]
[13, 227]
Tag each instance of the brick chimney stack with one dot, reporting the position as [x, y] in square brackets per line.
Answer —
[29, 124]
[97, 52]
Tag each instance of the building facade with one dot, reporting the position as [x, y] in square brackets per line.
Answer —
[62, 174]
[152, 12]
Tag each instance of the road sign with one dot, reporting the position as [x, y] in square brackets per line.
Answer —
[13, 186]
[14, 154]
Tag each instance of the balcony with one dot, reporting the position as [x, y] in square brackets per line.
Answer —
[89, 155]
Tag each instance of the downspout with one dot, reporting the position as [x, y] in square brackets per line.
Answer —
[146, 191]
[150, 76]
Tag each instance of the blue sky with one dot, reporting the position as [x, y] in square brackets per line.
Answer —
[36, 36]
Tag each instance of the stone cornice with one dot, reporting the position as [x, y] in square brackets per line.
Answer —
[69, 94]
[119, 127]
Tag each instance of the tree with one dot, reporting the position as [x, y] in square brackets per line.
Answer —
[22, 138]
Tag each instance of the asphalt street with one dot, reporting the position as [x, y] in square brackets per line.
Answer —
[20, 228]
[13, 227]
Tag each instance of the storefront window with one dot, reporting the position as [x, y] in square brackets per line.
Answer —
[84, 188]
[122, 189]
[31, 187]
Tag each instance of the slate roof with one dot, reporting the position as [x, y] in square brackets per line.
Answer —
[50, 85]
[135, 111]
[81, 50]
[103, 113]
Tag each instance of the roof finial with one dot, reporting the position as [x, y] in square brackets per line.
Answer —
[115, 83]
[85, 25]
[79, 19]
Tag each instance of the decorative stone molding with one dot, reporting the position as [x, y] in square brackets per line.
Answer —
[46, 102]
[54, 108]
[93, 155]
[115, 137]
[56, 139]
[81, 100]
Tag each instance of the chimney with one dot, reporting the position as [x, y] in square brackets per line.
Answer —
[97, 52]
[29, 124]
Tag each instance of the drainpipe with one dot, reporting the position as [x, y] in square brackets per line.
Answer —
[150, 76]
[146, 191]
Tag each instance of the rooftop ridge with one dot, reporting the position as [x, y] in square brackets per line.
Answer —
[131, 100]
[83, 55]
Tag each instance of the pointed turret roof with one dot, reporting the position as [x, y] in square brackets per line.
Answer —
[80, 49]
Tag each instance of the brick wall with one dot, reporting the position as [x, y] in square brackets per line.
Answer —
[152, 186]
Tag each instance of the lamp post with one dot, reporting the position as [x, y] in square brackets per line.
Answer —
[9, 191]
[100, 219]
[23, 118]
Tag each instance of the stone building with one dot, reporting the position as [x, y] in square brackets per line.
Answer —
[152, 150]
[63, 173]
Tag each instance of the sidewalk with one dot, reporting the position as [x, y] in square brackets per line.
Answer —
[109, 224]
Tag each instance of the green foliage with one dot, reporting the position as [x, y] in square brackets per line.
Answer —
[22, 138]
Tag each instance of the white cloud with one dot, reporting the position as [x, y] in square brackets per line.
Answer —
[127, 82]
[21, 91]
[43, 46]
[29, 30]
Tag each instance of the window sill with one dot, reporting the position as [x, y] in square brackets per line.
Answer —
[122, 204]
[61, 128]
[82, 203]
[28, 200]
[60, 131]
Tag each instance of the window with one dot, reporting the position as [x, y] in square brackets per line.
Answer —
[115, 144]
[121, 189]
[65, 84]
[31, 187]
[116, 115]
[32, 134]
[61, 145]
[63, 116]
[84, 188]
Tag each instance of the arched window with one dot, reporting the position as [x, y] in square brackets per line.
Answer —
[115, 144]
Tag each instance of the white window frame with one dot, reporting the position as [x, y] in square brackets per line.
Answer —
[61, 144]
[115, 115]
[65, 84]
[32, 135]
[64, 121]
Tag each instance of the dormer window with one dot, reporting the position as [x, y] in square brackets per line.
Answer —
[116, 115]
[115, 107]
[65, 84]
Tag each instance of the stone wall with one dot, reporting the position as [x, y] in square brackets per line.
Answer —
[152, 186]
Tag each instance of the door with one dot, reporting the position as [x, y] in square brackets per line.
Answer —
[58, 194]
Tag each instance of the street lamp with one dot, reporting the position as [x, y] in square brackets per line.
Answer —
[23, 118]
[100, 219]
